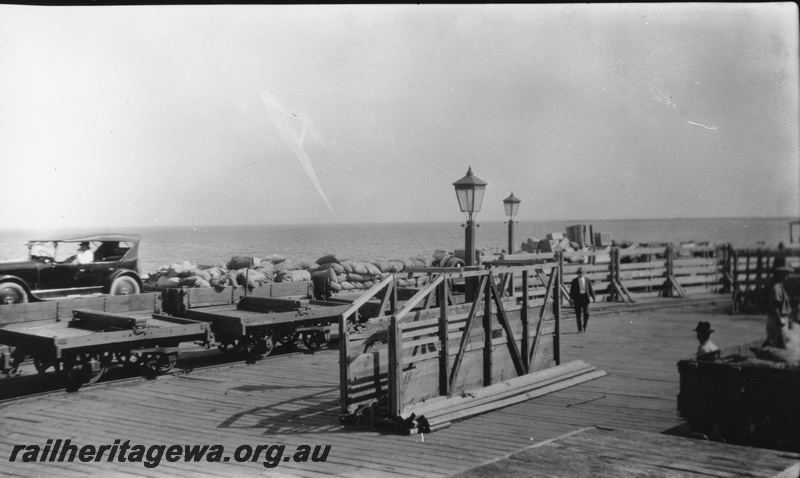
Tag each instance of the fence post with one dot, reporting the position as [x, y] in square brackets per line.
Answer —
[344, 366]
[526, 330]
[444, 342]
[557, 317]
[395, 367]
[670, 270]
[487, 334]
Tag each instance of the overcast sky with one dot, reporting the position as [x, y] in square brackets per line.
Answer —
[181, 115]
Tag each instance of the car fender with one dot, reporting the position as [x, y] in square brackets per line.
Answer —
[120, 273]
[18, 281]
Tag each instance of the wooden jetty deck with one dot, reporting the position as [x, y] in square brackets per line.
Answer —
[613, 422]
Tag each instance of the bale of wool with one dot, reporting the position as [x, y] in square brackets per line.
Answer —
[335, 266]
[193, 281]
[371, 269]
[267, 269]
[324, 274]
[441, 260]
[407, 263]
[216, 271]
[422, 280]
[306, 264]
[166, 282]
[426, 261]
[176, 269]
[396, 266]
[347, 285]
[292, 276]
[240, 262]
[402, 283]
[205, 275]
[368, 284]
[250, 278]
[360, 268]
[273, 259]
[328, 258]
[219, 282]
[382, 266]
[335, 286]
[347, 266]
[353, 277]
[287, 265]
[358, 285]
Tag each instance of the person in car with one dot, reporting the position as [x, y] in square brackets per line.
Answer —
[85, 255]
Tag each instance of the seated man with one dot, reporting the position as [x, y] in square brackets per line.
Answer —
[707, 350]
[85, 255]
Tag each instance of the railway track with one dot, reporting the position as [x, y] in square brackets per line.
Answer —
[29, 383]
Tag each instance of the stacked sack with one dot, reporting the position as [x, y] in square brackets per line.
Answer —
[344, 274]
[253, 272]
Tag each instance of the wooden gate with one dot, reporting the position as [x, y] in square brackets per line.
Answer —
[431, 348]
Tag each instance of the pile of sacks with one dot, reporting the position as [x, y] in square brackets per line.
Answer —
[252, 272]
[344, 274]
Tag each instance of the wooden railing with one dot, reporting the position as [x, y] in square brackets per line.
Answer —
[429, 349]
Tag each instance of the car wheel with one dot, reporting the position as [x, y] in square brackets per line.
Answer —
[124, 286]
[11, 293]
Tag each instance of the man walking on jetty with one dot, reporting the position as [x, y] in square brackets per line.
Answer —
[580, 291]
[779, 309]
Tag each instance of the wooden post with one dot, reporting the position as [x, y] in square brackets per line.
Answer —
[487, 336]
[526, 328]
[444, 342]
[395, 367]
[560, 258]
[670, 269]
[557, 316]
[344, 366]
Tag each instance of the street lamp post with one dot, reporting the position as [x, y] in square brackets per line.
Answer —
[511, 205]
[469, 192]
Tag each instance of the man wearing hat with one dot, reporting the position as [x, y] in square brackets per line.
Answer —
[85, 255]
[707, 349]
[580, 291]
[779, 308]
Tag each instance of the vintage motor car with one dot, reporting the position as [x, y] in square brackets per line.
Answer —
[53, 270]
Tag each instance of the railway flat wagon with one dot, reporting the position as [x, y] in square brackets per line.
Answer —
[81, 338]
[256, 324]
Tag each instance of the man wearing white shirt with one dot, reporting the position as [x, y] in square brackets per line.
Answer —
[580, 291]
[85, 255]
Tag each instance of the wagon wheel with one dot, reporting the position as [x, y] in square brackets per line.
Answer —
[43, 364]
[159, 362]
[258, 343]
[314, 340]
[227, 346]
[288, 338]
[78, 370]
[129, 360]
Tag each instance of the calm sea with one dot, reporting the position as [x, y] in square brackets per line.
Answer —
[208, 245]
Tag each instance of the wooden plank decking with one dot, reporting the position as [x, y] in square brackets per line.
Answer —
[292, 400]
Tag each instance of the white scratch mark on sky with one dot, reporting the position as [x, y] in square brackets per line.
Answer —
[608, 155]
[280, 116]
[704, 126]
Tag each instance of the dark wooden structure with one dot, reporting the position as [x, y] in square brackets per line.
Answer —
[423, 353]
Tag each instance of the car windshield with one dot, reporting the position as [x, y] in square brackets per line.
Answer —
[42, 249]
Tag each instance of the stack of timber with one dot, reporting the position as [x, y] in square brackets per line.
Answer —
[439, 413]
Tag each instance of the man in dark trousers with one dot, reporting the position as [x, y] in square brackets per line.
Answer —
[580, 291]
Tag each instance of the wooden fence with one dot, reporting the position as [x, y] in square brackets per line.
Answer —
[747, 272]
[630, 274]
[434, 348]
